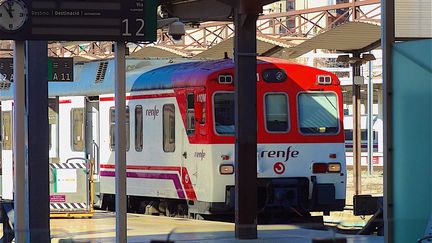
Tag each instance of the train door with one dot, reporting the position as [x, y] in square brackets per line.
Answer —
[72, 128]
[92, 143]
[7, 146]
[92, 139]
[189, 150]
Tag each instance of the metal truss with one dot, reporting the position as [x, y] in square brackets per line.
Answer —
[282, 27]
[276, 28]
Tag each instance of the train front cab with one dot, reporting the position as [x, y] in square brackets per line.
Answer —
[301, 154]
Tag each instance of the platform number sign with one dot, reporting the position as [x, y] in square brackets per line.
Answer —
[60, 69]
[76, 20]
[136, 22]
[6, 69]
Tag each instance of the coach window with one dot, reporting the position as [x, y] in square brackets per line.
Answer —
[364, 134]
[190, 115]
[127, 118]
[52, 122]
[77, 129]
[318, 113]
[169, 128]
[224, 113]
[7, 130]
[138, 128]
[276, 112]
[112, 128]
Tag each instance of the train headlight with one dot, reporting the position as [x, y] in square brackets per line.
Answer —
[226, 169]
[334, 167]
[225, 79]
[324, 79]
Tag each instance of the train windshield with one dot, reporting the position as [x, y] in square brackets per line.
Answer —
[318, 113]
[224, 113]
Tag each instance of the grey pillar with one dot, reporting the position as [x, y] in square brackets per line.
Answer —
[19, 143]
[356, 128]
[37, 187]
[370, 119]
[245, 120]
[387, 40]
[120, 142]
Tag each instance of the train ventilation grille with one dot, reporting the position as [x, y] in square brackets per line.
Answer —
[100, 75]
[5, 85]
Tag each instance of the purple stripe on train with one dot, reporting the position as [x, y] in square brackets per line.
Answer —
[175, 179]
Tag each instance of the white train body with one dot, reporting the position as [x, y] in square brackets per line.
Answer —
[377, 141]
[180, 132]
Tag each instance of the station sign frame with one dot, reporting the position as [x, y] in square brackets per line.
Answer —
[79, 20]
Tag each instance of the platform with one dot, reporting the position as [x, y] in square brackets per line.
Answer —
[144, 228]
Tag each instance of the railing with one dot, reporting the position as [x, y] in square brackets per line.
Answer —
[281, 27]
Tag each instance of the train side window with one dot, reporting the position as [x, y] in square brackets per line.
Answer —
[138, 128]
[127, 118]
[7, 130]
[77, 129]
[276, 112]
[190, 115]
[168, 128]
[112, 128]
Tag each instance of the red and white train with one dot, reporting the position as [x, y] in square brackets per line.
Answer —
[180, 134]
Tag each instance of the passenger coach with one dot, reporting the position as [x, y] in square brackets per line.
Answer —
[180, 134]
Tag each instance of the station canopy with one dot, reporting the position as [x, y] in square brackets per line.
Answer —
[348, 37]
[265, 47]
[355, 36]
[158, 51]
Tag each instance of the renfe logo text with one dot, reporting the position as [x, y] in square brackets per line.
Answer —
[152, 112]
[289, 153]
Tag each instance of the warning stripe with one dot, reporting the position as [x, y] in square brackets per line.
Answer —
[68, 206]
[68, 165]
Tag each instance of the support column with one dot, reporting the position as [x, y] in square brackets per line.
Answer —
[19, 143]
[37, 187]
[380, 103]
[387, 40]
[246, 15]
[120, 142]
[370, 119]
[380, 116]
[356, 128]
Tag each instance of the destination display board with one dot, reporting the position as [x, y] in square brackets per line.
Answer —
[60, 69]
[64, 20]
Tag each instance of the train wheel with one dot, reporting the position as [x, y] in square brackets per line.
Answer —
[108, 202]
[142, 207]
[171, 210]
[152, 208]
[182, 210]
